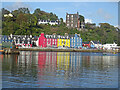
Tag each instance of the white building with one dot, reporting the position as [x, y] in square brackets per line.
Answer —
[96, 44]
[109, 46]
[48, 22]
[8, 15]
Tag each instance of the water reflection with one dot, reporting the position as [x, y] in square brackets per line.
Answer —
[60, 70]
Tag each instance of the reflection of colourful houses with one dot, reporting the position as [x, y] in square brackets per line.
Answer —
[75, 61]
[51, 61]
[41, 62]
[63, 60]
[63, 41]
[41, 59]
[76, 41]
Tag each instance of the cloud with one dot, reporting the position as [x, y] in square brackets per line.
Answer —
[88, 20]
[103, 14]
[17, 5]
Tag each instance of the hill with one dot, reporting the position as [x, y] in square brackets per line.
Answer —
[24, 23]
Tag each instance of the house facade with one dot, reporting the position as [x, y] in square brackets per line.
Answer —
[86, 44]
[51, 40]
[5, 41]
[73, 21]
[76, 41]
[95, 44]
[109, 46]
[48, 22]
[42, 41]
[63, 41]
[22, 40]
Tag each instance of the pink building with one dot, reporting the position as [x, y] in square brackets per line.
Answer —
[51, 40]
[42, 41]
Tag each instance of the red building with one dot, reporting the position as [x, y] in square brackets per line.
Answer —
[42, 41]
[47, 40]
[86, 44]
[51, 40]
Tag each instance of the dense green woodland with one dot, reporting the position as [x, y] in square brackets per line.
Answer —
[24, 23]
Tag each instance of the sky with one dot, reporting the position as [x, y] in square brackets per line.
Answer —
[94, 12]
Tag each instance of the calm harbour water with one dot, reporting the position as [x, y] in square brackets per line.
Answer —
[59, 70]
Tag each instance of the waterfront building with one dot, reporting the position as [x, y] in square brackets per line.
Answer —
[109, 46]
[86, 44]
[5, 41]
[42, 41]
[5, 38]
[95, 44]
[76, 41]
[73, 21]
[35, 41]
[48, 22]
[51, 40]
[63, 41]
[21, 40]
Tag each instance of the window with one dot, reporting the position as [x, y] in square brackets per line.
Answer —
[71, 25]
[75, 25]
[71, 15]
[72, 18]
[67, 15]
[67, 24]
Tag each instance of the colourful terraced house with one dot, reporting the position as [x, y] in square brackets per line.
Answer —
[51, 40]
[76, 41]
[42, 41]
[63, 41]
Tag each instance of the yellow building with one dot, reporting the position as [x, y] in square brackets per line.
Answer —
[63, 42]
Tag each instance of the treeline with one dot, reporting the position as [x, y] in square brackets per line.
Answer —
[25, 23]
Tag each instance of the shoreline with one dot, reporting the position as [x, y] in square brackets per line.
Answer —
[66, 50]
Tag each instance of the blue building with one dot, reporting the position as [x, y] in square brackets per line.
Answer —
[5, 41]
[5, 38]
[76, 41]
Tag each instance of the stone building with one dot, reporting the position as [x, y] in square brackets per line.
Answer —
[73, 21]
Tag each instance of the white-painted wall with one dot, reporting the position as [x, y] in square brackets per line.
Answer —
[109, 46]
[46, 22]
